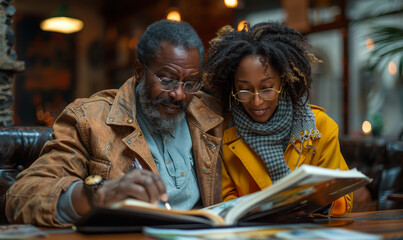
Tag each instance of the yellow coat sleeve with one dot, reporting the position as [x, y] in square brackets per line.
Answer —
[330, 157]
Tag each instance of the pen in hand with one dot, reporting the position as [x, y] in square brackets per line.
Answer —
[136, 164]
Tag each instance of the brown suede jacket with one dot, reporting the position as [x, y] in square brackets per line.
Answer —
[100, 135]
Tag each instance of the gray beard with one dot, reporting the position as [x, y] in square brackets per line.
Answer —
[150, 110]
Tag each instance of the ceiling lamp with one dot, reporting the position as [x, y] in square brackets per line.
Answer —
[231, 3]
[174, 15]
[61, 22]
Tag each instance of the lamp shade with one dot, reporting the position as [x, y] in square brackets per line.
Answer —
[62, 22]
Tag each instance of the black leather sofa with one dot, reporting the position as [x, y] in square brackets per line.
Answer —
[19, 148]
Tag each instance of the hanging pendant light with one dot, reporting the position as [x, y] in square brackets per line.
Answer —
[174, 14]
[231, 3]
[62, 22]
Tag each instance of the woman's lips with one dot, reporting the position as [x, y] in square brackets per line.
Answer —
[259, 112]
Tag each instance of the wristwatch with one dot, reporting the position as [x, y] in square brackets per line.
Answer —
[91, 185]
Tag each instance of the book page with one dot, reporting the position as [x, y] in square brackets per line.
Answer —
[222, 209]
[196, 215]
[252, 232]
[283, 231]
[18, 231]
[308, 186]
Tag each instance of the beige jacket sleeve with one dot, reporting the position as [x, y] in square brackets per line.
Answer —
[63, 160]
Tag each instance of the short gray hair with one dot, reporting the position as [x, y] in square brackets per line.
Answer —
[177, 33]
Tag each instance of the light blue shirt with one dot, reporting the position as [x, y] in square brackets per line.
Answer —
[173, 156]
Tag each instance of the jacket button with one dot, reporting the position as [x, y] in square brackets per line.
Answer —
[20, 168]
[129, 121]
[233, 147]
[203, 137]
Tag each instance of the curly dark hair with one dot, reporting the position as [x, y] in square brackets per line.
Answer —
[281, 47]
[176, 33]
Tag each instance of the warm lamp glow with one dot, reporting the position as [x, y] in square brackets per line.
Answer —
[369, 43]
[174, 15]
[392, 68]
[242, 24]
[231, 3]
[366, 127]
[62, 24]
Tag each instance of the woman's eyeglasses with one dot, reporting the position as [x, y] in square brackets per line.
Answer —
[265, 94]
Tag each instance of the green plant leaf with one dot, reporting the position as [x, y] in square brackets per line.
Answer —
[388, 41]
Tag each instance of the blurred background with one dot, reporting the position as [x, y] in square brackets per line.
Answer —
[360, 42]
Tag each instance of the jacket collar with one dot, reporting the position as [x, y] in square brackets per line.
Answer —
[200, 114]
[230, 135]
[123, 110]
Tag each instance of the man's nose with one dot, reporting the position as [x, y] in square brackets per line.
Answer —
[178, 94]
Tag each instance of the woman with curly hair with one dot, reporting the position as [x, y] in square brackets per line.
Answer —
[263, 75]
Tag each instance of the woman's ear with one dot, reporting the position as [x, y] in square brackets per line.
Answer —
[138, 70]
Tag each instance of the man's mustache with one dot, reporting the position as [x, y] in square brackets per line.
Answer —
[180, 104]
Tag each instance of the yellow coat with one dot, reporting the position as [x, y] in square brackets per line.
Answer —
[244, 172]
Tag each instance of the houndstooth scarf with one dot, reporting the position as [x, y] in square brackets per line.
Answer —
[270, 139]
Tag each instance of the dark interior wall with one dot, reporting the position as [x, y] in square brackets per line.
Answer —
[129, 20]
[256, 6]
[102, 53]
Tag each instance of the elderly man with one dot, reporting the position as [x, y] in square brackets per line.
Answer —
[158, 123]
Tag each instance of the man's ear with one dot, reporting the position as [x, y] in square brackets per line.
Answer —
[138, 70]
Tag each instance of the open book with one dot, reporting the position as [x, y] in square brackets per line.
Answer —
[308, 188]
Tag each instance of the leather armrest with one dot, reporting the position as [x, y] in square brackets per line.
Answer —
[20, 146]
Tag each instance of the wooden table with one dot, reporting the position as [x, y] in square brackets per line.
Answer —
[388, 224]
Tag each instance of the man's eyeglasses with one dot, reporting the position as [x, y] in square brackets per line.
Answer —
[168, 85]
[266, 94]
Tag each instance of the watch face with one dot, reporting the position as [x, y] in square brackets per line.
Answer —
[93, 180]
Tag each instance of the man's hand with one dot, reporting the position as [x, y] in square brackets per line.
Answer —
[143, 185]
